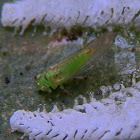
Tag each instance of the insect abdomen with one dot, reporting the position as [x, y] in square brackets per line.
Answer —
[63, 71]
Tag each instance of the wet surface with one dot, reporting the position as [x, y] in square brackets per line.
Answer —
[22, 58]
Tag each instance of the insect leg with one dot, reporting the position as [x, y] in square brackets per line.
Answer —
[66, 91]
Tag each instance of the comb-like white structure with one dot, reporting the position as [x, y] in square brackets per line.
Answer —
[115, 118]
[66, 13]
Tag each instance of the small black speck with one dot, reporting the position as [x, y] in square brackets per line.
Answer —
[133, 50]
[63, 101]
[102, 12]
[86, 77]
[35, 77]
[135, 126]
[7, 80]
[21, 73]
[4, 53]
[98, 92]
[72, 37]
[116, 99]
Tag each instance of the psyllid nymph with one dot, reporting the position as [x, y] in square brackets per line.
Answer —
[79, 61]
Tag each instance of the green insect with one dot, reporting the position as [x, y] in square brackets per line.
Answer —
[81, 60]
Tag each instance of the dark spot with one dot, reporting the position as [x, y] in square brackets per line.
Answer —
[4, 53]
[64, 32]
[129, 94]
[95, 107]
[21, 73]
[82, 110]
[118, 133]
[133, 50]
[7, 80]
[86, 77]
[35, 77]
[64, 101]
[116, 99]
[102, 12]
[98, 92]
[24, 18]
[72, 37]
[77, 30]
[135, 126]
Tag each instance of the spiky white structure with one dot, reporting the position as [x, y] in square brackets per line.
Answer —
[115, 118]
[66, 13]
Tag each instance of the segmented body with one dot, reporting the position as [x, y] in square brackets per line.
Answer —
[79, 61]
[61, 72]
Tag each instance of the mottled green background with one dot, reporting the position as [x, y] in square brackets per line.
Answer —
[24, 57]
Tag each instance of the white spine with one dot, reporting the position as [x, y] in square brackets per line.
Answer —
[66, 13]
[98, 120]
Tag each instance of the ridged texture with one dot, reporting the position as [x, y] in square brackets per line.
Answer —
[66, 13]
[115, 118]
